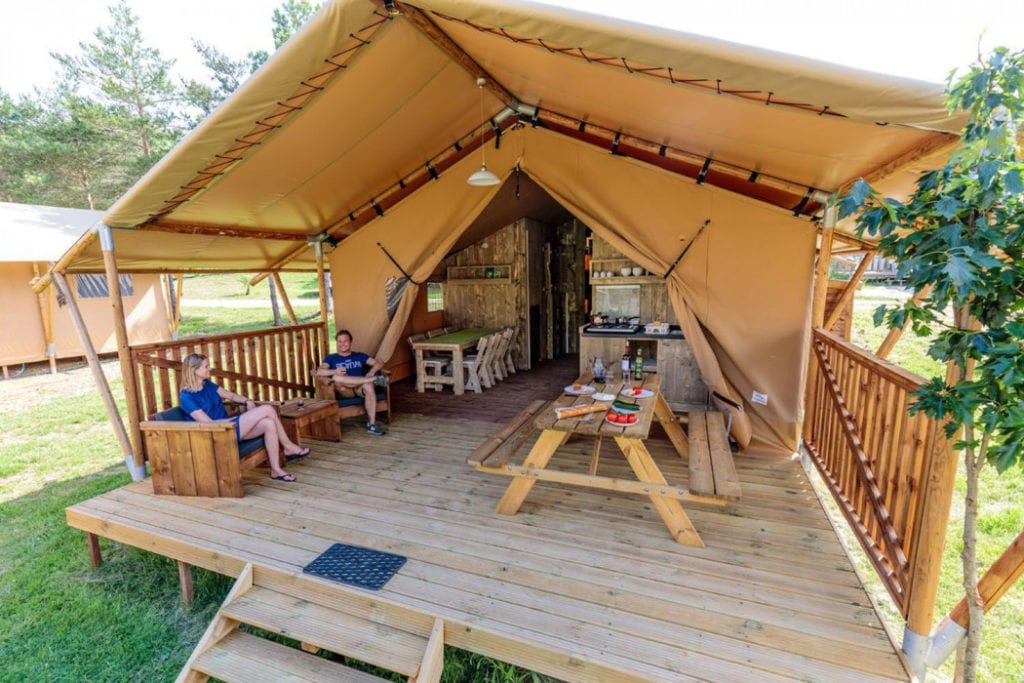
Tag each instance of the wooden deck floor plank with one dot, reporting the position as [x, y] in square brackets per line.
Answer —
[481, 543]
[457, 568]
[560, 573]
[802, 565]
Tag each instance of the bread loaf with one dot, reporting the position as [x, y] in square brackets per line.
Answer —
[576, 411]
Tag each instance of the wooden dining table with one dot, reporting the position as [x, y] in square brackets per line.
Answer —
[455, 343]
[631, 442]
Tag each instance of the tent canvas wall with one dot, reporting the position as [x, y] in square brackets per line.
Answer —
[368, 123]
[35, 236]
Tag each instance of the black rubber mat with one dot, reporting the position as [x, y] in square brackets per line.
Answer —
[357, 566]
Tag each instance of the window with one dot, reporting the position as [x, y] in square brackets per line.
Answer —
[94, 286]
[435, 297]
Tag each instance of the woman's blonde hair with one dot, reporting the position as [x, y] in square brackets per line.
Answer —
[189, 380]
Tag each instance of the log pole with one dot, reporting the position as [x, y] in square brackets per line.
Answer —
[322, 284]
[124, 353]
[284, 298]
[818, 310]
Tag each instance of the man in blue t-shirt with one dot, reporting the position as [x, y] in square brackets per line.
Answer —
[357, 372]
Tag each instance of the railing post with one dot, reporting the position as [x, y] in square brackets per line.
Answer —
[818, 312]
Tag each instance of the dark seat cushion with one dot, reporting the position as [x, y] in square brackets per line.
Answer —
[246, 447]
[358, 400]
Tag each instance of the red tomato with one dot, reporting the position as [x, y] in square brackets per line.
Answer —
[637, 391]
[614, 417]
[631, 419]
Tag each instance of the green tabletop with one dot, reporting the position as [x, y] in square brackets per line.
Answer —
[461, 336]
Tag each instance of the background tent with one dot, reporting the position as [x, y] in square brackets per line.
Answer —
[367, 124]
[33, 237]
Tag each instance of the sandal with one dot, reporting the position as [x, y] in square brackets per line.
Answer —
[284, 477]
[294, 457]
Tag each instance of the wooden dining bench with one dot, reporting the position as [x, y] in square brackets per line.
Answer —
[495, 453]
[712, 469]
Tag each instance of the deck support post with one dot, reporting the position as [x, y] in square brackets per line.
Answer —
[93, 542]
[185, 575]
[97, 374]
[131, 395]
[284, 297]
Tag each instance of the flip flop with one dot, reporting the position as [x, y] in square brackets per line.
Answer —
[295, 457]
[285, 477]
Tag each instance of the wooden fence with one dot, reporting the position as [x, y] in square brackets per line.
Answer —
[265, 365]
[872, 453]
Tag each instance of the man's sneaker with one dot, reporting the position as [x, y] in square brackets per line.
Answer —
[375, 429]
[380, 381]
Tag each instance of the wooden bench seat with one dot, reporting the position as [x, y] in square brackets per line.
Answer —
[198, 458]
[712, 469]
[497, 451]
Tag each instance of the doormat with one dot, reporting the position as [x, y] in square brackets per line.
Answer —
[357, 566]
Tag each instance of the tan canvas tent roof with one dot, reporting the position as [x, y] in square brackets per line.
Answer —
[365, 125]
[41, 233]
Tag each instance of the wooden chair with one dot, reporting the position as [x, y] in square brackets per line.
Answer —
[510, 363]
[475, 366]
[497, 365]
[352, 405]
[437, 364]
[198, 458]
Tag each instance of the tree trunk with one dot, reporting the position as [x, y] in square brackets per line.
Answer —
[969, 559]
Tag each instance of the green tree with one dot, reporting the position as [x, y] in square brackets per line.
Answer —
[228, 73]
[119, 71]
[963, 232]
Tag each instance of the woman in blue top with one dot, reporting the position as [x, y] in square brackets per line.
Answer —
[203, 401]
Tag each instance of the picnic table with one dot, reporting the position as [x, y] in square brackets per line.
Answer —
[455, 343]
[630, 439]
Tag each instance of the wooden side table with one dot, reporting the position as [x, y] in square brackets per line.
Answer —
[317, 419]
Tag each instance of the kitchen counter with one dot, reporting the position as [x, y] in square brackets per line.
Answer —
[673, 333]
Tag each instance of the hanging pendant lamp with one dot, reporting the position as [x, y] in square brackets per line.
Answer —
[483, 177]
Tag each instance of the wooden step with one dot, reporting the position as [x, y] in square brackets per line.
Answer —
[244, 658]
[329, 629]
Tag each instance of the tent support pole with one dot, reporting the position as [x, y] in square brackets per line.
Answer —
[284, 298]
[324, 342]
[818, 309]
[94, 364]
[124, 354]
[45, 301]
[849, 290]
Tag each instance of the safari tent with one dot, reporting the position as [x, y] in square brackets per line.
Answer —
[37, 327]
[706, 163]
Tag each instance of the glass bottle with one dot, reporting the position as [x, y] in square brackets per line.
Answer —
[638, 366]
[599, 370]
[625, 362]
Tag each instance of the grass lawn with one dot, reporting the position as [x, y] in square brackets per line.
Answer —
[61, 621]
[1000, 517]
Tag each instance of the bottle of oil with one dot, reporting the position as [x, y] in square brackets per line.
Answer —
[638, 366]
[625, 363]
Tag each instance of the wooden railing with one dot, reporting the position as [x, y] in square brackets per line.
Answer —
[265, 365]
[872, 453]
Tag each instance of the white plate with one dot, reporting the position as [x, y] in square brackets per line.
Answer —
[584, 390]
[644, 393]
[604, 397]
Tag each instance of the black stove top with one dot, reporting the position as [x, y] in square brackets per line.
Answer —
[622, 328]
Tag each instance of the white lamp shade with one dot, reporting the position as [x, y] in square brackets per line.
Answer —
[483, 178]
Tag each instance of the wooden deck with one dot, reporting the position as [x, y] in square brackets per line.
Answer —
[581, 584]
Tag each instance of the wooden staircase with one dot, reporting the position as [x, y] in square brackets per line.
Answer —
[287, 607]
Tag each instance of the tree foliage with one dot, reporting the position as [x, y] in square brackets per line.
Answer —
[962, 232]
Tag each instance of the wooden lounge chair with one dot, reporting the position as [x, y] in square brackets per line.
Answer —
[198, 458]
[350, 405]
[510, 364]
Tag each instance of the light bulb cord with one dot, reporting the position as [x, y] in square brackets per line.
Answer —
[483, 143]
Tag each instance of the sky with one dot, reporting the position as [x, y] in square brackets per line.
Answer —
[920, 39]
